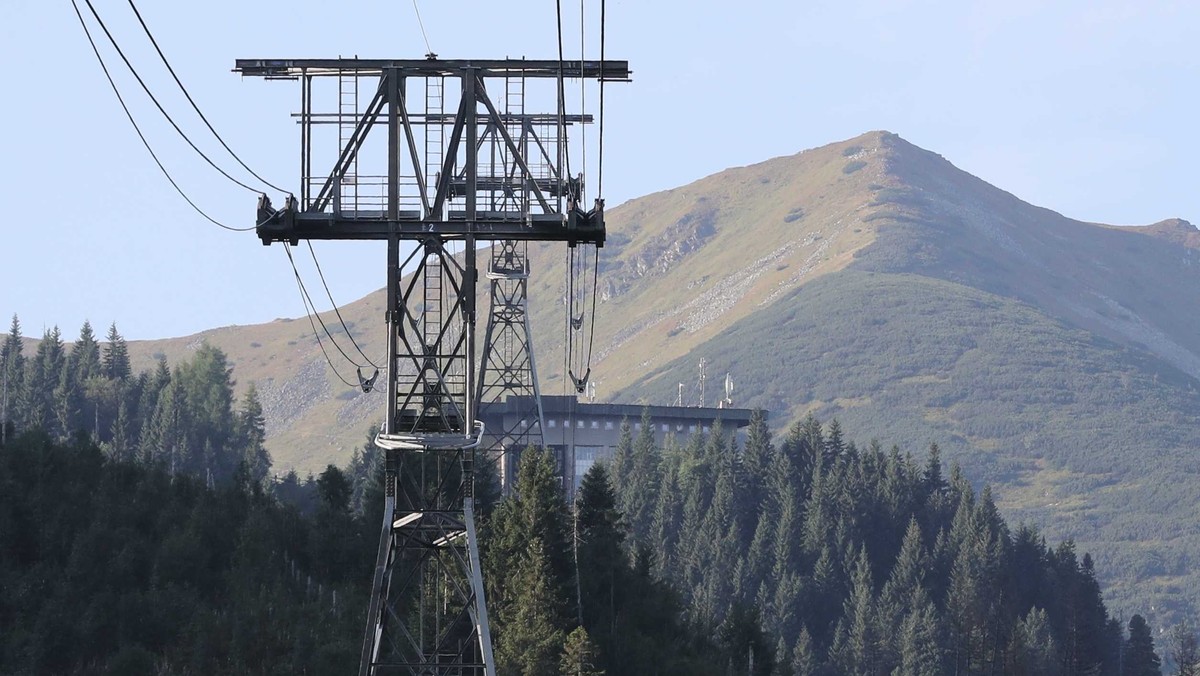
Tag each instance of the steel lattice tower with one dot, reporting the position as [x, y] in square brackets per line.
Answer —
[508, 375]
[495, 177]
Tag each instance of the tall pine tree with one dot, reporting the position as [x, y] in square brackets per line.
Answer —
[1140, 658]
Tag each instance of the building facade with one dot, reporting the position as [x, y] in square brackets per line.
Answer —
[581, 434]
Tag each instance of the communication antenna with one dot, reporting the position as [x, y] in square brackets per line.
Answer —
[727, 402]
[703, 377]
[679, 399]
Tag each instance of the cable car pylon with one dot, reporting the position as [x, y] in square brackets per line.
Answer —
[488, 174]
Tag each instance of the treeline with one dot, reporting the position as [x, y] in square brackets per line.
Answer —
[182, 418]
[567, 596]
[808, 557]
[813, 556]
[120, 567]
[137, 536]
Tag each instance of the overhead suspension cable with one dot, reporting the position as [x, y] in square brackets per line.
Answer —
[595, 301]
[599, 192]
[600, 161]
[138, 129]
[336, 311]
[193, 102]
[304, 290]
[304, 298]
[582, 100]
[160, 107]
[564, 148]
[428, 49]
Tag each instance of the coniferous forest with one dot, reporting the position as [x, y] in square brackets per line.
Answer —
[141, 533]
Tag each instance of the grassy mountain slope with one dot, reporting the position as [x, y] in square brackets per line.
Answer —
[1083, 436]
[312, 417]
[680, 265]
[871, 280]
[1051, 351]
[938, 221]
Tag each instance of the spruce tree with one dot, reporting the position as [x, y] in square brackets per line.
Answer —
[965, 607]
[116, 355]
[531, 642]
[919, 652]
[85, 354]
[622, 459]
[757, 457]
[668, 515]
[896, 600]
[643, 479]
[538, 511]
[932, 481]
[121, 444]
[579, 656]
[89, 389]
[859, 652]
[12, 379]
[250, 427]
[42, 382]
[818, 520]
[601, 561]
[1032, 648]
[804, 657]
[835, 445]
[1140, 658]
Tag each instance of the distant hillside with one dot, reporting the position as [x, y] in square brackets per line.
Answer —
[911, 300]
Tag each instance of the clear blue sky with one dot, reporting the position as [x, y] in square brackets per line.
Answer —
[1085, 107]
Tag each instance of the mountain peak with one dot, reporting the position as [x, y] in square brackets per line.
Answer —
[1174, 230]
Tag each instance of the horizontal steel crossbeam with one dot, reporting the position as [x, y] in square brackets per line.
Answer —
[289, 226]
[276, 68]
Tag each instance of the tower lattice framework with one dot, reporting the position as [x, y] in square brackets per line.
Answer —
[454, 168]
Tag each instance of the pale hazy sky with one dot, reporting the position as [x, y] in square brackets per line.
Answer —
[1087, 108]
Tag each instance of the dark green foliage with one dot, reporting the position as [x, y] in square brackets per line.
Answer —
[182, 419]
[112, 567]
[635, 464]
[634, 622]
[538, 511]
[1031, 403]
[12, 379]
[579, 655]
[116, 356]
[1140, 659]
[1032, 650]
[848, 560]
[251, 433]
[600, 560]
[531, 641]
[816, 556]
